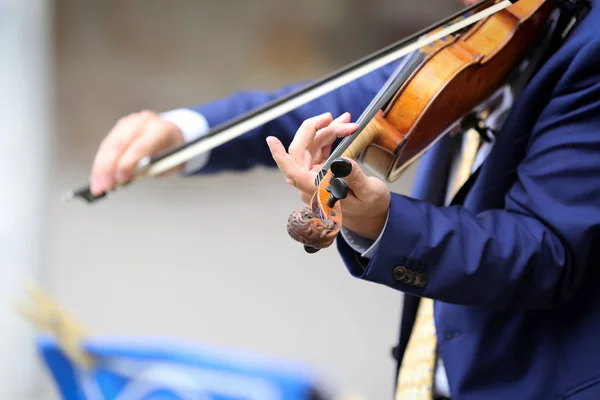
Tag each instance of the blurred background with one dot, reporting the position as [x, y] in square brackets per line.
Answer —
[170, 257]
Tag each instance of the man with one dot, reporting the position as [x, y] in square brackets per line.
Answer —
[512, 265]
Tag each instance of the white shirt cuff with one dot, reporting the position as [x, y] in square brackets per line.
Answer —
[360, 244]
[192, 125]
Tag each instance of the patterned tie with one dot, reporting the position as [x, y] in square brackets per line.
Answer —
[415, 378]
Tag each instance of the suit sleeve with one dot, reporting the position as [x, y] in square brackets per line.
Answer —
[532, 253]
[250, 149]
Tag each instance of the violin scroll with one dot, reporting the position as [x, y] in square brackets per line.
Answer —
[316, 226]
[308, 228]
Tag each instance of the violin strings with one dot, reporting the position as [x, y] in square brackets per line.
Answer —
[156, 165]
[387, 91]
[208, 142]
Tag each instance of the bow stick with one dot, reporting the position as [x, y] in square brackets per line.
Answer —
[156, 165]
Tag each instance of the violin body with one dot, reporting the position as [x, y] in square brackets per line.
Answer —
[456, 74]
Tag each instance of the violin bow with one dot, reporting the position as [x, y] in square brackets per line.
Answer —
[156, 165]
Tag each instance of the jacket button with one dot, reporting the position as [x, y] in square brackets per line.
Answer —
[399, 273]
[421, 280]
[409, 278]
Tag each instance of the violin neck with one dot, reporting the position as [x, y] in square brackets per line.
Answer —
[347, 147]
[405, 69]
[165, 161]
[374, 128]
[412, 44]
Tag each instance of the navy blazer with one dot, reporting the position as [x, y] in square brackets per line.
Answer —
[515, 269]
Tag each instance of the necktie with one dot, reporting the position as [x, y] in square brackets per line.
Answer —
[465, 160]
[415, 378]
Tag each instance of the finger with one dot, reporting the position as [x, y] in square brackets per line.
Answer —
[357, 180]
[342, 119]
[305, 135]
[112, 147]
[326, 136]
[318, 149]
[155, 137]
[294, 175]
[321, 148]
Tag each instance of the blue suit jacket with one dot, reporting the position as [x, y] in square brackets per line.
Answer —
[515, 269]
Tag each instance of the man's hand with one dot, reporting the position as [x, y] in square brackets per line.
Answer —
[132, 138]
[366, 206]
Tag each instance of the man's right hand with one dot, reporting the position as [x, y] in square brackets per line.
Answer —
[132, 138]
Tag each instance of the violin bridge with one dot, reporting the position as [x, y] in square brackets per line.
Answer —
[46, 315]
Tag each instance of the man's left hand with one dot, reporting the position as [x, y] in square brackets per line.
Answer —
[366, 207]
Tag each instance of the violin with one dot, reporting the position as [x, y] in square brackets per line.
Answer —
[448, 69]
[434, 94]
[166, 160]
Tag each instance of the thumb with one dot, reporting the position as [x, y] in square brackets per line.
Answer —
[357, 180]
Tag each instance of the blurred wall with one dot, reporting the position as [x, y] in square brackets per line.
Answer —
[26, 120]
[208, 259]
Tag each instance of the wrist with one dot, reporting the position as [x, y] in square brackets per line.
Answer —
[190, 125]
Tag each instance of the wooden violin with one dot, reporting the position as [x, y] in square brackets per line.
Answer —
[160, 163]
[448, 69]
[432, 95]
